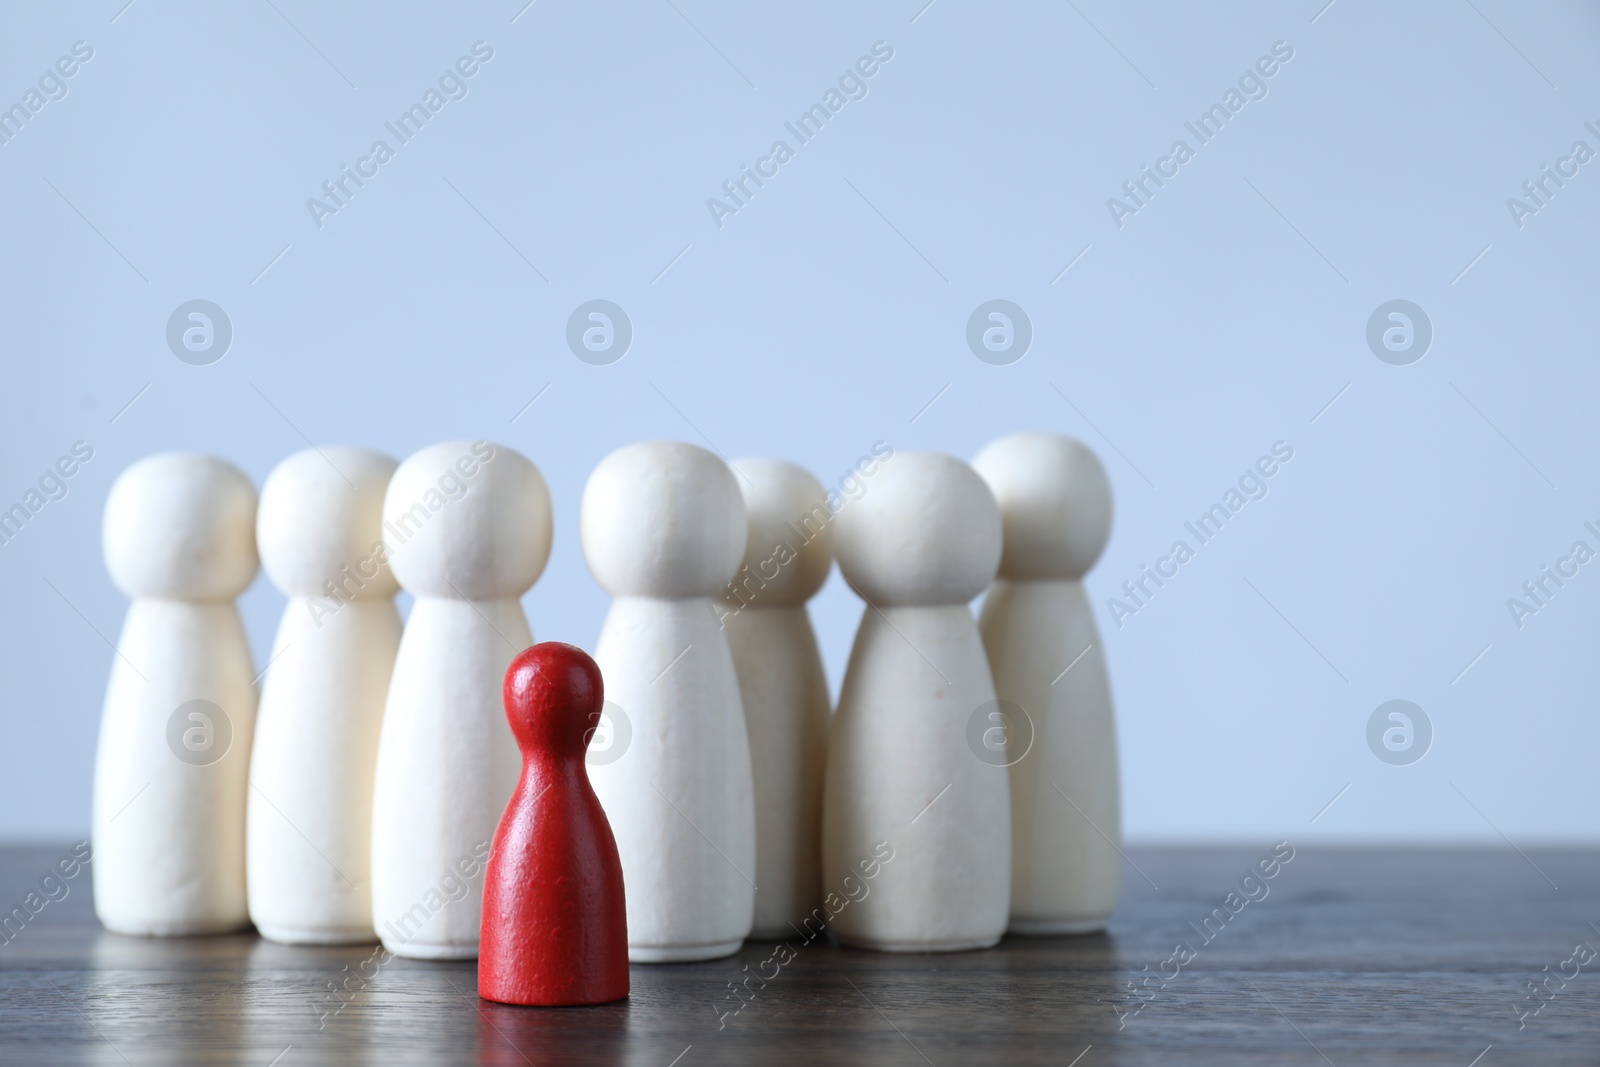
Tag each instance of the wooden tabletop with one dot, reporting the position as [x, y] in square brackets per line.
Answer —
[1414, 956]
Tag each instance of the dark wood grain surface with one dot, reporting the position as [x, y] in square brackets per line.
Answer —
[1413, 956]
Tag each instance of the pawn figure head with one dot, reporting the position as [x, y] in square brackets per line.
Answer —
[662, 519]
[553, 694]
[1055, 503]
[467, 520]
[790, 548]
[926, 532]
[320, 524]
[181, 526]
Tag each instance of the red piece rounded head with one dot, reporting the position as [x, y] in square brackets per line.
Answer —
[553, 696]
[555, 925]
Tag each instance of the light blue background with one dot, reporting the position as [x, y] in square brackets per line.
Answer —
[827, 314]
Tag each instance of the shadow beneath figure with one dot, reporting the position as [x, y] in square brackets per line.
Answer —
[512, 1036]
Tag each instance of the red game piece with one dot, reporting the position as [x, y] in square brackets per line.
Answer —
[555, 927]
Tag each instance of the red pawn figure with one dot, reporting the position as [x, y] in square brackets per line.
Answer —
[555, 928]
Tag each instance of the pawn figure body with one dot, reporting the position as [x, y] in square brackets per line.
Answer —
[467, 530]
[172, 765]
[1044, 649]
[903, 783]
[781, 683]
[555, 926]
[309, 842]
[663, 530]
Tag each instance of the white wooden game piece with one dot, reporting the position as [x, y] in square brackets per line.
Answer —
[174, 751]
[309, 841]
[663, 530]
[917, 546]
[781, 683]
[467, 531]
[1044, 649]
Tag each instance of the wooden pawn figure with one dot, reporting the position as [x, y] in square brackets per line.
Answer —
[309, 839]
[902, 779]
[781, 682]
[467, 531]
[1044, 649]
[555, 928]
[663, 530]
[174, 753]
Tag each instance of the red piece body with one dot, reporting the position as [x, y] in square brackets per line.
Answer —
[555, 926]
